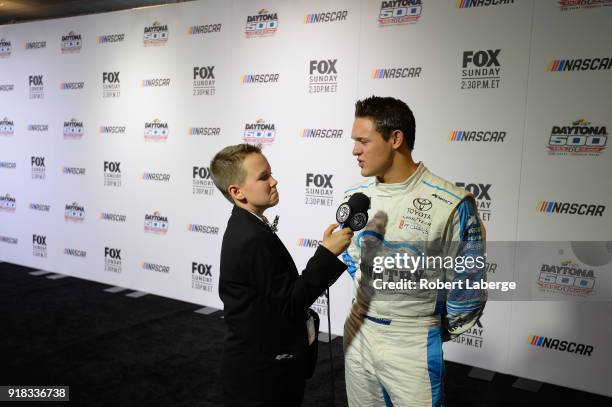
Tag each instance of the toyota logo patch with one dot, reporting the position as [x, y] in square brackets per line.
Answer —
[422, 204]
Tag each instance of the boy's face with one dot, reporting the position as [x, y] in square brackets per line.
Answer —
[259, 187]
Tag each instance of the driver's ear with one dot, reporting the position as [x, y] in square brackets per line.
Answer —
[397, 138]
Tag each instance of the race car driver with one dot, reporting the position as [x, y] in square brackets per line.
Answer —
[393, 336]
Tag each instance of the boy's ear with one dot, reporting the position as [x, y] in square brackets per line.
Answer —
[235, 192]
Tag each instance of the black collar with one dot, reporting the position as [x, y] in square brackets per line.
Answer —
[250, 217]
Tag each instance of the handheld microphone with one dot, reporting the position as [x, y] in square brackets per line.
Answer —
[354, 212]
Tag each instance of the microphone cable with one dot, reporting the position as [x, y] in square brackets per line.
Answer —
[331, 356]
[354, 214]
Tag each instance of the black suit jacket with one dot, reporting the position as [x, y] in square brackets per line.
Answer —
[265, 302]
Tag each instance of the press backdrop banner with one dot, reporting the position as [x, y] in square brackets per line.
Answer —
[109, 122]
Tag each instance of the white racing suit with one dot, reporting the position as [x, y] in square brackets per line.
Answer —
[393, 337]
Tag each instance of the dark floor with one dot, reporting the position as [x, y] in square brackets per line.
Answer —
[114, 350]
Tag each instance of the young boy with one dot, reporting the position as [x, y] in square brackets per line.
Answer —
[265, 299]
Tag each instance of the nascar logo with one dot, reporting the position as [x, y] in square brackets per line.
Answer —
[557, 344]
[570, 208]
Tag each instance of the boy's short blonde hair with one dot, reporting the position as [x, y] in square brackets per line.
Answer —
[226, 166]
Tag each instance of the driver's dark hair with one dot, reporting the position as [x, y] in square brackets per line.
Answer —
[388, 114]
